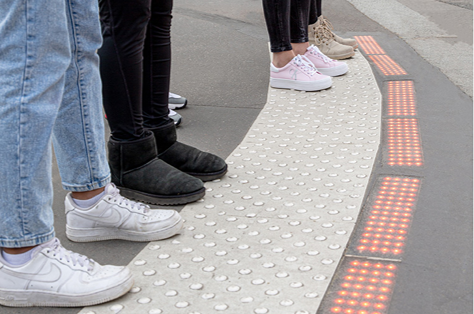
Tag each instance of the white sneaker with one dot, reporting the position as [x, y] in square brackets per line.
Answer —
[176, 101]
[116, 217]
[175, 116]
[58, 277]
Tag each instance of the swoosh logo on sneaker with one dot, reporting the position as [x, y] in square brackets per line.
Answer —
[52, 275]
[112, 217]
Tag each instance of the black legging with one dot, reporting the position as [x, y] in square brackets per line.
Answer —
[135, 65]
[287, 22]
[315, 11]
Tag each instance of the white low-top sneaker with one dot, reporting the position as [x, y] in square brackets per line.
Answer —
[116, 217]
[176, 101]
[58, 277]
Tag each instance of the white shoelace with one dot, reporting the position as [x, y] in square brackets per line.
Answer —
[305, 64]
[123, 201]
[315, 50]
[71, 257]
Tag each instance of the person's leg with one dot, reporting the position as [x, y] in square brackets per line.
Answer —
[315, 11]
[277, 18]
[157, 70]
[157, 65]
[34, 59]
[79, 129]
[124, 24]
[133, 161]
[33, 64]
[299, 25]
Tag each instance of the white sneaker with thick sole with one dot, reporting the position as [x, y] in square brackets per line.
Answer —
[58, 277]
[116, 217]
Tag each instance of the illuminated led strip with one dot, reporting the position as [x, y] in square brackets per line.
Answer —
[365, 279]
[385, 227]
[401, 98]
[363, 287]
[386, 65]
[404, 144]
[369, 45]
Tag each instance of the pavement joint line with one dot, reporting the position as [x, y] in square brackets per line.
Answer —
[268, 237]
[374, 258]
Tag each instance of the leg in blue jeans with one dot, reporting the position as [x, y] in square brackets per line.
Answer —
[49, 84]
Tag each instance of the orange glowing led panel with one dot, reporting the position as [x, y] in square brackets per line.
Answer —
[369, 45]
[361, 298]
[401, 98]
[397, 197]
[403, 143]
[386, 65]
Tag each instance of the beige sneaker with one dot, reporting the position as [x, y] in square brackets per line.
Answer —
[320, 32]
[345, 41]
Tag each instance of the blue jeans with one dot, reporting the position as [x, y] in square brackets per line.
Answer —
[50, 92]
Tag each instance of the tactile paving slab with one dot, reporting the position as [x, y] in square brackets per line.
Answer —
[268, 237]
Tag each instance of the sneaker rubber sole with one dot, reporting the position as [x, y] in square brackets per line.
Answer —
[298, 85]
[178, 106]
[341, 56]
[103, 234]
[335, 71]
[29, 298]
[209, 176]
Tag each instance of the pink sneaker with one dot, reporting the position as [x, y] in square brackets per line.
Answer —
[324, 64]
[299, 74]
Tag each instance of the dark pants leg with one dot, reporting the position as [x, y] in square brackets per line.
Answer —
[128, 68]
[287, 22]
[157, 65]
[315, 11]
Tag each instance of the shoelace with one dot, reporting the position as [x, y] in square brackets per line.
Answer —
[71, 257]
[172, 95]
[325, 22]
[315, 50]
[305, 64]
[123, 201]
[322, 34]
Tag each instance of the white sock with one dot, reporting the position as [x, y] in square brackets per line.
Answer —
[89, 202]
[17, 259]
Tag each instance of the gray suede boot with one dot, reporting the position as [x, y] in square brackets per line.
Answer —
[188, 159]
[140, 175]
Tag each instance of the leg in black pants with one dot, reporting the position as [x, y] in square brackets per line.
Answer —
[135, 70]
[315, 11]
[287, 23]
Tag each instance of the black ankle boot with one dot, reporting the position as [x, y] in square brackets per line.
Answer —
[140, 175]
[202, 165]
